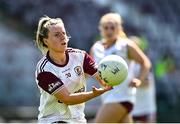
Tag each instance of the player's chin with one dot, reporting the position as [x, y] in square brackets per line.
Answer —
[110, 38]
[63, 48]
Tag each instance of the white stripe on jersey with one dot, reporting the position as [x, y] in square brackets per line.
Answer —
[41, 64]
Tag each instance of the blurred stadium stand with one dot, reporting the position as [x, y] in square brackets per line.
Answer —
[156, 20]
[18, 92]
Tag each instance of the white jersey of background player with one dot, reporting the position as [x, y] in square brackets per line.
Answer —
[60, 75]
[121, 92]
[145, 105]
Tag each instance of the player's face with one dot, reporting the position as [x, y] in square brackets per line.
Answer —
[109, 31]
[57, 38]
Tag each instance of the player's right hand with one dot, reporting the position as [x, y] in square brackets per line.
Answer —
[135, 83]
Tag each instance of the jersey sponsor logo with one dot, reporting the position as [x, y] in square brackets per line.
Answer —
[53, 86]
[66, 70]
[78, 70]
[80, 90]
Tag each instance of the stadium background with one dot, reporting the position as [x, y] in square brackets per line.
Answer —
[155, 21]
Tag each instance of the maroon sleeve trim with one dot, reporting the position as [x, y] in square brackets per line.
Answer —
[89, 65]
[49, 82]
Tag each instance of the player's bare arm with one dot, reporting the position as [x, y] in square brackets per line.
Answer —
[76, 98]
[135, 53]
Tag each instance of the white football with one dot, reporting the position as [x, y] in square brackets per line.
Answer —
[113, 70]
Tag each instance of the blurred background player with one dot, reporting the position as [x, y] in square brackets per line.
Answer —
[144, 110]
[118, 103]
[60, 75]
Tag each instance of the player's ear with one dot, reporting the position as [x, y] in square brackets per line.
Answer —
[45, 41]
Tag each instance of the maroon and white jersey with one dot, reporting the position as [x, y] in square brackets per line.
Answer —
[52, 77]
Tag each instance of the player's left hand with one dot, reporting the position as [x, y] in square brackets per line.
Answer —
[99, 91]
[135, 83]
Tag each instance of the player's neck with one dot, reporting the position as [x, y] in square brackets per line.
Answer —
[109, 43]
[58, 57]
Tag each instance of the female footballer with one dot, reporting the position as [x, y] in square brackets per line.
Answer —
[60, 75]
[144, 110]
[118, 103]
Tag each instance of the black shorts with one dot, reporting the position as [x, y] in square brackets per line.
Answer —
[142, 118]
[127, 105]
[59, 122]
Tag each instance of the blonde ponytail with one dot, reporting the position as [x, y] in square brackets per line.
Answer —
[122, 34]
[40, 34]
[43, 30]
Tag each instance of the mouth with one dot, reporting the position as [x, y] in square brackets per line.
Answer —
[63, 44]
[109, 35]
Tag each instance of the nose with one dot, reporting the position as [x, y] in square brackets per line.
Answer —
[64, 39]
